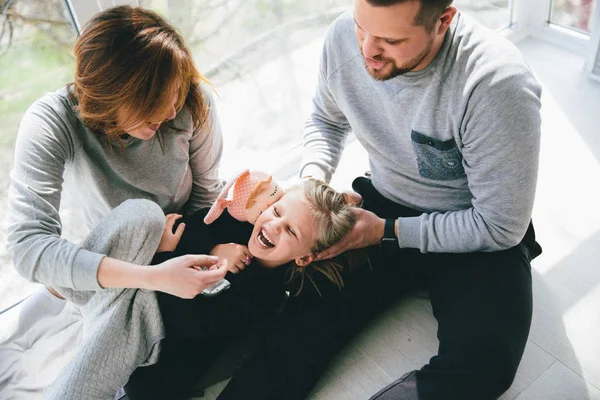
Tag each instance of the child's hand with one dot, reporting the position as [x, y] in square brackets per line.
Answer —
[169, 240]
[237, 256]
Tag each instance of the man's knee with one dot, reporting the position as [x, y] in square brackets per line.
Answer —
[498, 380]
[493, 376]
[475, 372]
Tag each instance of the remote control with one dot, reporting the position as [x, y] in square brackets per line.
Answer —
[217, 288]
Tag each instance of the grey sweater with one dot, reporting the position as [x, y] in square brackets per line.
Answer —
[54, 146]
[458, 140]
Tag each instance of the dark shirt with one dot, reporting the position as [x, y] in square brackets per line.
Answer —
[254, 293]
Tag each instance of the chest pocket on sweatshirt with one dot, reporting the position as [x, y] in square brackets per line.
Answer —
[437, 159]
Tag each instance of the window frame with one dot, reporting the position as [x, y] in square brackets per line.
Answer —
[593, 56]
[535, 20]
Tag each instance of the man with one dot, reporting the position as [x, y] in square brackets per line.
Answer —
[448, 112]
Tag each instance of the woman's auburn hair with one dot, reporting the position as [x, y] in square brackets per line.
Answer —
[131, 58]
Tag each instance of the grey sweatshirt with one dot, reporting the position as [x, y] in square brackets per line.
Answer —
[54, 146]
[458, 140]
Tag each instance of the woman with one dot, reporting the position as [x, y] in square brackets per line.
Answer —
[137, 123]
[309, 218]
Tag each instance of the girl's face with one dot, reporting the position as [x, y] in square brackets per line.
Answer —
[146, 130]
[284, 232]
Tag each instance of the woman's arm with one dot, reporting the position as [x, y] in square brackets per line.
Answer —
[178, 276]
[206, 149]
[44, 145]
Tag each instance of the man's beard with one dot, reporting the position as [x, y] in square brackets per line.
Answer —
[391, 70]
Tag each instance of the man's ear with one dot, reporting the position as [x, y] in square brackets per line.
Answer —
[305, 260]
[446, 18]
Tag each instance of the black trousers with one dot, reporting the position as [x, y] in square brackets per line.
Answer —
[482, 302]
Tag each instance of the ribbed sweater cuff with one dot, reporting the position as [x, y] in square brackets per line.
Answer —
[409, 233]
[85, 275]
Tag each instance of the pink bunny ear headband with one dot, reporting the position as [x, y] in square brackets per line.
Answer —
[245, 196]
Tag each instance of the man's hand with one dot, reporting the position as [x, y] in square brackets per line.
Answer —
[368, 231]
[170, 240]
[183, 277]
[353, 198]
[238, 256]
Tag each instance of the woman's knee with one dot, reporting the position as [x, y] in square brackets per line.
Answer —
[142, 213]
[131, 232]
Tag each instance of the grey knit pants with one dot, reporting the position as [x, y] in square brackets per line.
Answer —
[122, 328]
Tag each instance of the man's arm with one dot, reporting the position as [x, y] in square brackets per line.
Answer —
[325, 130]
[500, 149]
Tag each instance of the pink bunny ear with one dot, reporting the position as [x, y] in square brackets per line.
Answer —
[215, 211]
[219, 205]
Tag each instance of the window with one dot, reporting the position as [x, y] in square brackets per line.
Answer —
[36, 38]
[573, 14]
[263, 57]
[495, 14]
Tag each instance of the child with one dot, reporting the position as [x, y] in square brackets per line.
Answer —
[279, 251]
[309, 218]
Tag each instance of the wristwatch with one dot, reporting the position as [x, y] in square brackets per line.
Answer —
[389, 239]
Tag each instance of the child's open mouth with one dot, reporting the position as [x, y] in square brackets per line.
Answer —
[264, 239]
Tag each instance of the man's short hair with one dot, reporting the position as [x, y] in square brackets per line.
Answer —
[429, 13]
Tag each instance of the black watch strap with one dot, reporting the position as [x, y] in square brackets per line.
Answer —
[389, 229]
[389, 239]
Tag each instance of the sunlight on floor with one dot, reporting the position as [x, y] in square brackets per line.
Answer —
[567, 191]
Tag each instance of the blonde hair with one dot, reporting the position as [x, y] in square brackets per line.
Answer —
[129, 57]
[332, 220]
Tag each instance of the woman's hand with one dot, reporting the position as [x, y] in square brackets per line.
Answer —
[183, 276]
[238, 256]
[170, 240]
